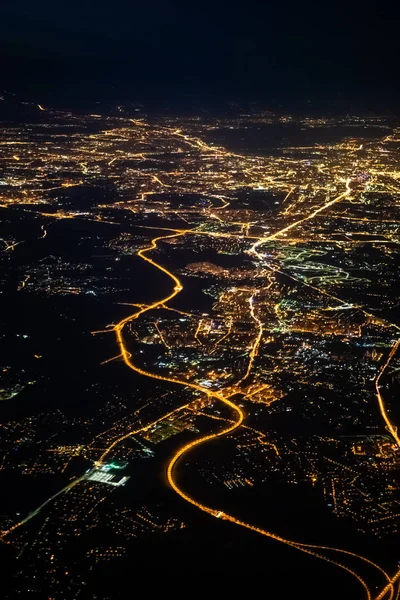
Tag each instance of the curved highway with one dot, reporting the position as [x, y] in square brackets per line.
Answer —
[126, 356]
[387, 592]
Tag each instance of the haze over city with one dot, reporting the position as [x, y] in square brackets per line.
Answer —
[200, 334]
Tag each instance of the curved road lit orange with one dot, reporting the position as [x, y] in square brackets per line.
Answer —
[126, 356]
[388, 592]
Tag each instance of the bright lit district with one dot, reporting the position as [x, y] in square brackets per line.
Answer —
[103, 475]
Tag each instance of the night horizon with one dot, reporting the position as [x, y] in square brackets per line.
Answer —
[200, 335]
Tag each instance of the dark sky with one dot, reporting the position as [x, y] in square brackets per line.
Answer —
[256, 48]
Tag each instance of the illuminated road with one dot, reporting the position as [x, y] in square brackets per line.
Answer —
[238, 416]
[37, 510]
[313, 214]
[228, 429]
[255, 345]
[389, 425]
[125, 354]
[393, 431]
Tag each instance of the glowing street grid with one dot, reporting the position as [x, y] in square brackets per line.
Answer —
[272, 336]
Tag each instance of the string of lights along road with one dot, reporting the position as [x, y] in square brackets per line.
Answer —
[277, 267]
